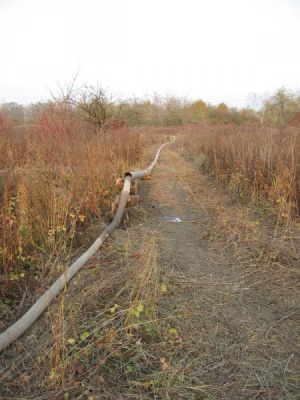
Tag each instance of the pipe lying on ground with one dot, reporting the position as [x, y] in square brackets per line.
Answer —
[20, 326]
[141, 174]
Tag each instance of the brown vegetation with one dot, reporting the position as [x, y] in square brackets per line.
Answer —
[257, 164]
[56, 175]
[204, 309]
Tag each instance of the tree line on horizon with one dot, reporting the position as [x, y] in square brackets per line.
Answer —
[99, 107]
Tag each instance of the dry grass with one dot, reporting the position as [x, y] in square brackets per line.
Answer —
[55, 176]
[113, 343]
[254, 311]
[150, 318]
[256, 164]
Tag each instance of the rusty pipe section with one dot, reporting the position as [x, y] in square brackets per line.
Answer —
[20, 326]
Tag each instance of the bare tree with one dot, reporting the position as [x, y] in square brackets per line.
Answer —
[257, 104]
[93, 103]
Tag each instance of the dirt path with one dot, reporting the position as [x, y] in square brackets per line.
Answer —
[217, 326]
[242, 331]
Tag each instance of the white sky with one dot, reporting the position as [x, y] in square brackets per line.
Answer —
[216, 50]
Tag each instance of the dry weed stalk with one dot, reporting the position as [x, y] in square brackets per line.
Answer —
[55, 173]
[257, 164]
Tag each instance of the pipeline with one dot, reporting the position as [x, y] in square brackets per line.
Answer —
[20, 326]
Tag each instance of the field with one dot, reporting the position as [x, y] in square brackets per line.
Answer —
[258, 165]
[206, 308]
[56, 176]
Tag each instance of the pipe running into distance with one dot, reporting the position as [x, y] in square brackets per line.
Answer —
[20, 326]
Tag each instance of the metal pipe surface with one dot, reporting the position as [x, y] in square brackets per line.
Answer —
[141, 174]
[20, 326]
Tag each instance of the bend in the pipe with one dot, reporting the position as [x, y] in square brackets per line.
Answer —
[20, 326]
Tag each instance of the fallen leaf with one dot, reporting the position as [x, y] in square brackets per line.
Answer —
[136, 255]
[186, 370]
[148, 383]
[79, 368]
[84, 335]
[53, 374]
[113, 309]
[163, 288]
[81, 218]
[129, 368]
[140, 308]
[165, 365]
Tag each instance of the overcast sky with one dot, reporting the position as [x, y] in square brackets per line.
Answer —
[216, 50]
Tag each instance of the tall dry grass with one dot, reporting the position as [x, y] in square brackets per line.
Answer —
[55, 175]
[257, 164]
